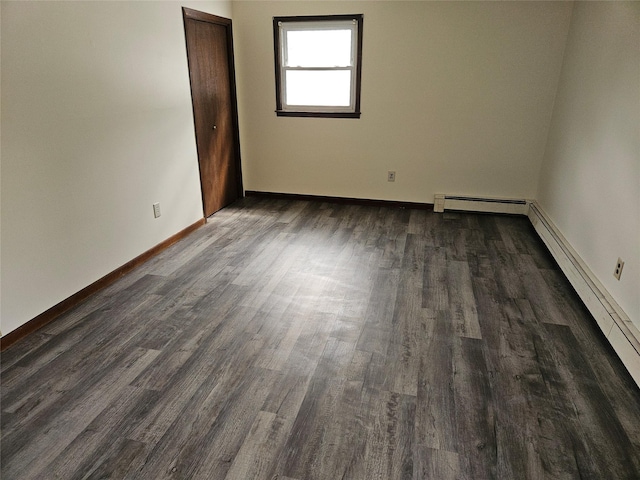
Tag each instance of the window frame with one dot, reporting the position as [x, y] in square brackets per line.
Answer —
[353, 111]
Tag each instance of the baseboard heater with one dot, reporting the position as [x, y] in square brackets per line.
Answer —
[514, 206]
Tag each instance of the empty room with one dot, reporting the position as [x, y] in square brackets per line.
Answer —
[302, 240]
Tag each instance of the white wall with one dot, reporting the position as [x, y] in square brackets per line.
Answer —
[590, 177]
[456, 98]
[0, 178]
[96, 126]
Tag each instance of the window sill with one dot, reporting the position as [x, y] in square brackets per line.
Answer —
[283, 113]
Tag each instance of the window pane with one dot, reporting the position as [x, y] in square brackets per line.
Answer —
[319, 48]
[322, 88]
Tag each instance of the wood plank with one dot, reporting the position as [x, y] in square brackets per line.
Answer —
[538, 293]
[462, 304]
[436, 425]
[91, 448]
[593, 420]
[435, 463]
[30, 458]
[435, 293]
[475, 412]
[314, 340]
[70, 373]
[526, 446]
[117, 460]
[408, 321]
[389, 452]
[256, 456]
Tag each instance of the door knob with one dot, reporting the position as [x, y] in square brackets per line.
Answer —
[214, 127]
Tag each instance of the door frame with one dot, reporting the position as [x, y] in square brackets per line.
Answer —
[190, 14]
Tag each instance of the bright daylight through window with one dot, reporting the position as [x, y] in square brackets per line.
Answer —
[318, 65]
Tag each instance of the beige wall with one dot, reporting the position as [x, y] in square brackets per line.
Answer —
[590, 178]
[456, 98]
[96, 127]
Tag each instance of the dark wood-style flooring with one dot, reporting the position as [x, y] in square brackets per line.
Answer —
[300, 340]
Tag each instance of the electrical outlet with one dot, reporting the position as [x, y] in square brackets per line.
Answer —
[156, 210]
[618, 271]
[391, 176]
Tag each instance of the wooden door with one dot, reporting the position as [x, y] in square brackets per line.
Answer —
[213, 93]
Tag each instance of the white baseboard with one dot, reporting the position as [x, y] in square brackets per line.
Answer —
[622, 334]
[444, 202]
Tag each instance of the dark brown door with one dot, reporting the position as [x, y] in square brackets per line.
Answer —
[210, 56]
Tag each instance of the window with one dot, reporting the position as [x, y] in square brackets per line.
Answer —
[318, 62]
